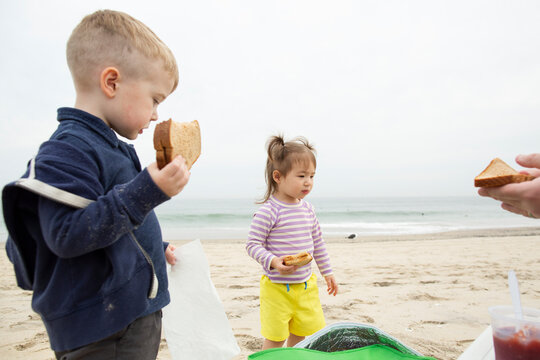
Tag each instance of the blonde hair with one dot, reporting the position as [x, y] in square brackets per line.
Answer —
[282, 156]
[113, 38]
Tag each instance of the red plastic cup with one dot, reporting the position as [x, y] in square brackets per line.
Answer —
[515, 339]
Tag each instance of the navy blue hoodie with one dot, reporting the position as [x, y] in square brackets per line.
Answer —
[91, 269]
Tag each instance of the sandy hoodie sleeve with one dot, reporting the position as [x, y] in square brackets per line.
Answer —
[320, 254]
[72, 232]
[263, 221]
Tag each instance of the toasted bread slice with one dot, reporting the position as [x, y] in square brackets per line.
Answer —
[299, 259]
[173, 138]
[499, 173]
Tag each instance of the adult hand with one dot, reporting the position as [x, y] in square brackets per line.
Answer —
[172, 178]
[521, 198]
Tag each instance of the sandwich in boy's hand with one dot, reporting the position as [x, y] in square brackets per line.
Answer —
[173, 138]
[499, 173]
[299, 259]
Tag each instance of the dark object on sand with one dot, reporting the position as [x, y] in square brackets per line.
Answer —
[352, 236]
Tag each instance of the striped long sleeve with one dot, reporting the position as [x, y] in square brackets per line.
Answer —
[263, 221]
[321, 256]
[280, 229]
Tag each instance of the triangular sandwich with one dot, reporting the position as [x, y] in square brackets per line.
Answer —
[499, 173]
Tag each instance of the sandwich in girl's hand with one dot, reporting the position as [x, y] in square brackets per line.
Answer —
[299, 259]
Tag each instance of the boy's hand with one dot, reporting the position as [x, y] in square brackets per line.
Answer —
[331, 285]
[172, 178]
[277, 263]
[169, 254]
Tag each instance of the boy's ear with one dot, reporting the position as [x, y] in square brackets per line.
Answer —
[108, 81]
[276, 176]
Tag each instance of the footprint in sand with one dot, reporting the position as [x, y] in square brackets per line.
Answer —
[425, 296]
[246, 298]
[249, 342]
[238, 286]
[425, 282]
[232, 315]
[366, 319]
[432, 322]
[348, 305]
[163, 345]
[476, 288]
[36, 339]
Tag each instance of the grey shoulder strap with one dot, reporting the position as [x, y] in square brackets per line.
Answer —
[39, 187]
[65, 197]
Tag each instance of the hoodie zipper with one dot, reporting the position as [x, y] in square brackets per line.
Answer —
[154, 284]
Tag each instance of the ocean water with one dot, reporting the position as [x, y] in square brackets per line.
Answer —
[185, 219]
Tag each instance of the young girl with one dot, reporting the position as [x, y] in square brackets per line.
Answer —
[286, 225]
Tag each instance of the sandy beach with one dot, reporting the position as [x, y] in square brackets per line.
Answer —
[429, 291]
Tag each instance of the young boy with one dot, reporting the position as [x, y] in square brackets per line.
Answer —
[82, 231]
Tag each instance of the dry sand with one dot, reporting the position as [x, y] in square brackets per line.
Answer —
[431, 292]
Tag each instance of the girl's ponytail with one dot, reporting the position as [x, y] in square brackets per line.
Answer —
[276, 147]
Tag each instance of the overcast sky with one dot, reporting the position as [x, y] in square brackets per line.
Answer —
[399, 97]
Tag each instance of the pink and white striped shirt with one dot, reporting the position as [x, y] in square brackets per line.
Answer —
[280, 229]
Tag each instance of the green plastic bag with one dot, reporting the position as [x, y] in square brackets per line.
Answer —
[344, 341]
[371, 352]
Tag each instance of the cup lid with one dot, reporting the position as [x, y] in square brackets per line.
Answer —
[506, 313]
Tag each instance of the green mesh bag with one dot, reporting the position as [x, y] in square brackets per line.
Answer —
[344, 341]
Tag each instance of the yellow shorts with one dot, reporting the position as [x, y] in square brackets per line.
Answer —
[296, 309]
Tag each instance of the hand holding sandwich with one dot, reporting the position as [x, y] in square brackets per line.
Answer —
[278, 264]
[520, 198]
[178, 146]
[172, 178]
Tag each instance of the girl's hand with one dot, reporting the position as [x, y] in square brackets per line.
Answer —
[331, 285]
[169, 254]
[277, 263]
